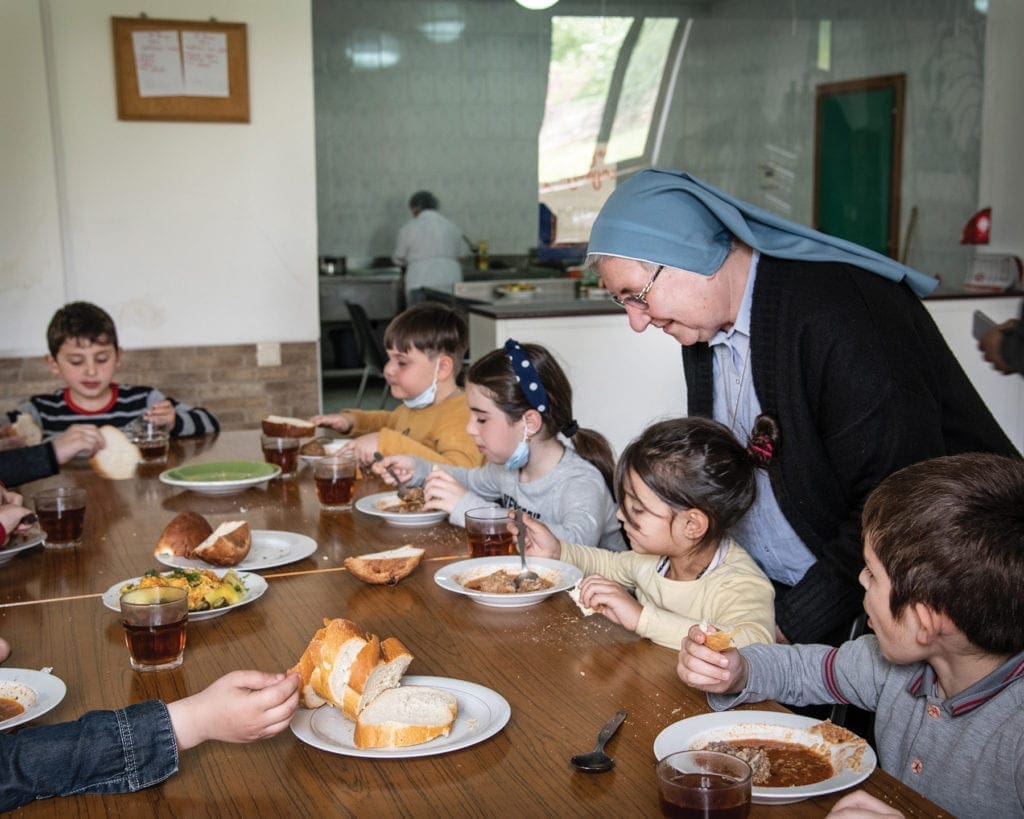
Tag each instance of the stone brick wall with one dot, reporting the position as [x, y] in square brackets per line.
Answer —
[223, 379]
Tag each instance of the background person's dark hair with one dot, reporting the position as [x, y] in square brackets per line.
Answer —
[493, 372]
[692, 463]
[80, 319]
[432, 328]
[423, 200]
[950, 534]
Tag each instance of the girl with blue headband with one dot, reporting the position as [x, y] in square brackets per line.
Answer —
[520, 404]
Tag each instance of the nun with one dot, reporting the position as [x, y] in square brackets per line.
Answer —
[815, 351]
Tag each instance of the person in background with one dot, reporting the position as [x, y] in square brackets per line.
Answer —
[428, 249]
[425, 346]
[1003, 346]
[538, 458]
[138, 746]
[682, 484]
[84, 353]
[825, 337]
[944, 670]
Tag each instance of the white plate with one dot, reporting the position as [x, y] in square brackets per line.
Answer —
[255, 586]
[19, 543]
[220, 477]
[269, 549]
[331, 448]
[451, 577]
[50, 690]
[372, 505]
[697, 731]
[482, 713]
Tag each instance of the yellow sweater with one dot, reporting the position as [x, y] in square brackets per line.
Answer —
[436, 433]
[736, 594]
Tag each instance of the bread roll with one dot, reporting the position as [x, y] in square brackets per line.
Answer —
[718, 640]
[26, 427]
[119, 456]
[181, 536]
[227, 545]
[280, 427]
[385, 567]
[407, 715]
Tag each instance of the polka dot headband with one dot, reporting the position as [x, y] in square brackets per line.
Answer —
[527, 376]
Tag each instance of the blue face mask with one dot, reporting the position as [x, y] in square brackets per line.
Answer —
[425, 398]
[520, 455]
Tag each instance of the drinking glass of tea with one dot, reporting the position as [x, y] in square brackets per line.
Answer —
[487, 532]
[281, 451]
[61, 513]
[152, 439]
[704, 784]
[335, 479]
[154, 626]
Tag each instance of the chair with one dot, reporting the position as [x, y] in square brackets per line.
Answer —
[371, 350]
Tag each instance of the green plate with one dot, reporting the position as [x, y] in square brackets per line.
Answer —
[220, 477]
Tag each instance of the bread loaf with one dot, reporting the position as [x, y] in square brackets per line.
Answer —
[407, 715]
[227, 545]
[280, 427]
[385, 567]
[119, 456]
[181, 536]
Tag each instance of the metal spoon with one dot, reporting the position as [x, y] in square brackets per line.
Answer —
[403, 490]
[597, 761]
[525, 574]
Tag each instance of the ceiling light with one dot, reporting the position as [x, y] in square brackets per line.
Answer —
[536, 5]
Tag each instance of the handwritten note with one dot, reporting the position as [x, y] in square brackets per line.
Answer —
[205, 62]
[158, 63]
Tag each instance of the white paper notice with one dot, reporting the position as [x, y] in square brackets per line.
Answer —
[206, 63]
[157, 63]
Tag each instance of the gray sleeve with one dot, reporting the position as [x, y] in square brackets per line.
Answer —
[811, 675]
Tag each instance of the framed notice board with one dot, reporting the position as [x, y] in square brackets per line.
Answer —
[858, 145]
[181, 70]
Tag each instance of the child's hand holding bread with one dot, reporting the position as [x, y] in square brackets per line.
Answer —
[611, 599]
[339, 421]
[703, 668]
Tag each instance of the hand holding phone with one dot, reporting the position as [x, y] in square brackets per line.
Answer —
[982, 324]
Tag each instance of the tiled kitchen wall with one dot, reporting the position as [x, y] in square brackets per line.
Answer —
[224, 379]
[461, 118]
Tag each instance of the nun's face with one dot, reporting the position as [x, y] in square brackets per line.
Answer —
[687, 306]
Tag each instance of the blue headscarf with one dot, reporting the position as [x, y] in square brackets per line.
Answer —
[674, 219]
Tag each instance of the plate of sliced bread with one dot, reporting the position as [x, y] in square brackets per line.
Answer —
[356, 700]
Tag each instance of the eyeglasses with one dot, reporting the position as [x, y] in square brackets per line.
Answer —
[639, 300]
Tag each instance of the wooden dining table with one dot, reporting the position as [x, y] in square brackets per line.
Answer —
[563, 674]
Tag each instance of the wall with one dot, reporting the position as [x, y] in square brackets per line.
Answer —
[190, 234]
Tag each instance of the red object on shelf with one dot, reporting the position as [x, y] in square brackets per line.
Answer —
[977, 229]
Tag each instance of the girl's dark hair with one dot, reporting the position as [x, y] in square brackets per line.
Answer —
[692, 463]
[494, 373]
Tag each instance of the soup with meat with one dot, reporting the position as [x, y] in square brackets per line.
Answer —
[777, 764]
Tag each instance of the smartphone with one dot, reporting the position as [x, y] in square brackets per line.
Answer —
[982, 324]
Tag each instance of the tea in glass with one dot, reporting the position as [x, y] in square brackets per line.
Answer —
[282, 451]
[61, 513]
[154, 627]
[487, 532]
[335, 479]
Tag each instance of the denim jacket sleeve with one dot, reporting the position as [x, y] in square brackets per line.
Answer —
[103, 752]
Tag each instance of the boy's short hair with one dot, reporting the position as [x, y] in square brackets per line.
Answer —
[432, 328]
[80, 319]
[950, 534]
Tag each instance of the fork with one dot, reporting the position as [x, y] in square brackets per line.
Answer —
[403, 490]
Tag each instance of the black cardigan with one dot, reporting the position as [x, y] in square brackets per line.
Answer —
[861, 383]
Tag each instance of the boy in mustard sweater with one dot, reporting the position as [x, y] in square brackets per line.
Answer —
[425, 346]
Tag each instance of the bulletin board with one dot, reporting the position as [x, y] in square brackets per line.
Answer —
[858, 147]
[213, 80]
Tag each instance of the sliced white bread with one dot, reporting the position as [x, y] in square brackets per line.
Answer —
[387, 673]
[385, 567]
[227, 545]
[181, 536]
[407, 715]
[306, 667]
[281, 427]
[118, 458]
[574, 593]
[344, 648]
